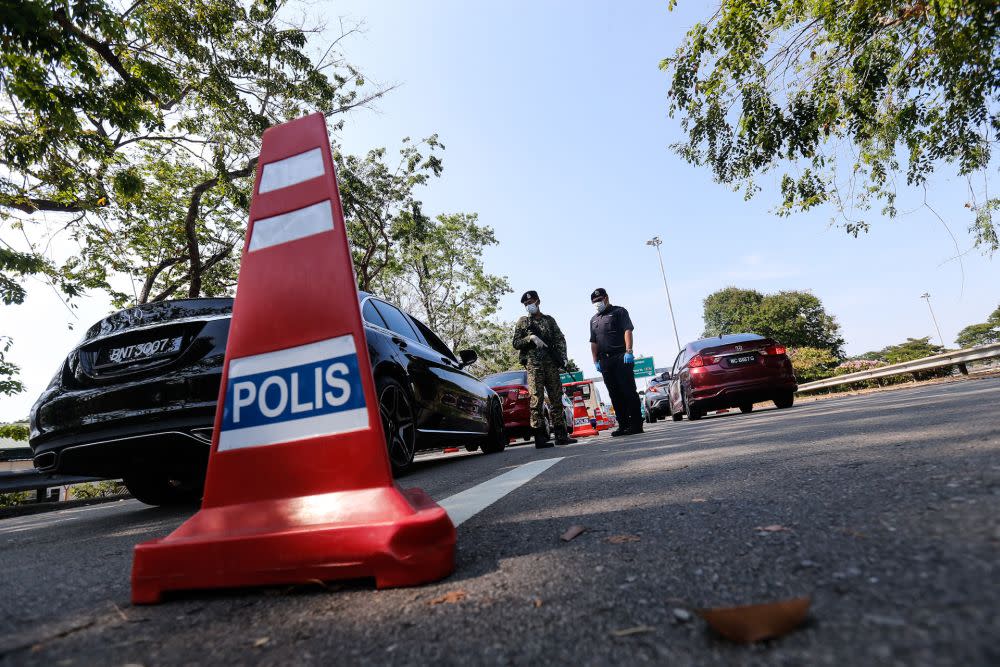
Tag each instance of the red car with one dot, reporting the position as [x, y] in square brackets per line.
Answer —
[512, 388]
[730, 371]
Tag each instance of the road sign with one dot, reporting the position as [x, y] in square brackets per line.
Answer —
[571, 377]
[644, 367]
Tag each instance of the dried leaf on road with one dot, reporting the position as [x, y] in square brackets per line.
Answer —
[261, 642]
[699, 500]
[451, 597]
[571, 532]
[752, 623]
[538, 602]
[622, 539]
[637, 630]
[774, 528]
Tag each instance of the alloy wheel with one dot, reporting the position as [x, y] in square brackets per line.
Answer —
[398, 424]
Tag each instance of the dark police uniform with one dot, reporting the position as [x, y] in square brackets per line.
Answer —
[607, 329]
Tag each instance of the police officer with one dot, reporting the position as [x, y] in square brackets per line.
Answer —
[611, 347]
[543, 353]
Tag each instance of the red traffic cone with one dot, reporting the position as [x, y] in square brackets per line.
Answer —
[299, 485]
[581, 420]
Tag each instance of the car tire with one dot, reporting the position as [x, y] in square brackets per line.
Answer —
[395, 407]
[785, 400]
[496, 437]
[153, 488]
[692, 412]
[746, 408]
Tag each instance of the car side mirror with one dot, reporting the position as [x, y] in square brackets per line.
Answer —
[468, 357]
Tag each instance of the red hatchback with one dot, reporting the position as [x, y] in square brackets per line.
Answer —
[730, 371]
[512, 388]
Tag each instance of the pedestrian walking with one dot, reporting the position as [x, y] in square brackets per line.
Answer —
[542, 348]
[611, 346]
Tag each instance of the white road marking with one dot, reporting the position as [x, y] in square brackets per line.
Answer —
[465, 505]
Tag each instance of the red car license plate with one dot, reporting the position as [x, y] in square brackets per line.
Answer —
[742, 360]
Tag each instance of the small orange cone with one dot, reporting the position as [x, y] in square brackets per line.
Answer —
[603, 424]
[581, 420]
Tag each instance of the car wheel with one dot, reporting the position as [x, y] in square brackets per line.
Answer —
[398, 422]
[154, 488]
[746, 407]
[785, 400]
[692, 412]
[496, 438]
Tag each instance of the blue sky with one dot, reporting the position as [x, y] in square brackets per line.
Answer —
[554, 115]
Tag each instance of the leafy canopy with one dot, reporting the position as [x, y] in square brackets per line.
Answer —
[983, 333]
[793, 318]
[843, 97]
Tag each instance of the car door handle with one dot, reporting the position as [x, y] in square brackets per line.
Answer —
[399, 341]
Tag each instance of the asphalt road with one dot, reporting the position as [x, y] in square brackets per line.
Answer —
[884, 508]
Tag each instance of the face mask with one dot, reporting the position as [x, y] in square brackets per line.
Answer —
[600, 306]
[532, 308]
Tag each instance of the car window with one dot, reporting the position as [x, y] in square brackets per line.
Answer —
[395, 320]
[371, 315]
[503, 379]
[433, 340]
[677, 363]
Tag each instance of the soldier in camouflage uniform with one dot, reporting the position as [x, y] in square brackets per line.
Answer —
[543, 352]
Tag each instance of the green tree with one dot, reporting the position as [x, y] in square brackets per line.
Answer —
[9, 384]
[14, 431]
[442, 279]
[135, 129]
[912, 348]
[981, 334]
[843, 98]
[793, 318]
[730, 310]
[571, 366]
[492, 343]
[812, 363]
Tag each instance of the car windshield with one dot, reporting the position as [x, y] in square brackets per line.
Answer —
[581, 390]
[503, 379]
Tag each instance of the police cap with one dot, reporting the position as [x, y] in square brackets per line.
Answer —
[529, 295]
[598, 293]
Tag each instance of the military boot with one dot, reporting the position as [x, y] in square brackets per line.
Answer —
[541, 439]
[562, 438]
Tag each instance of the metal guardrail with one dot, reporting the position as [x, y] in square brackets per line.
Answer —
[28, 480]
[956, 358]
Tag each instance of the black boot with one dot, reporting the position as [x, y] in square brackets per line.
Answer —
[541, 439]
[562, 438]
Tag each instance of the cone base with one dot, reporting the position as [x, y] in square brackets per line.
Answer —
[398, 537]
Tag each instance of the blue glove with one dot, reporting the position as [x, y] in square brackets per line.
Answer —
[629, 359]
[598, 365]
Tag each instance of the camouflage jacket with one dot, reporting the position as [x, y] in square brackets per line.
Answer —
[544, 327]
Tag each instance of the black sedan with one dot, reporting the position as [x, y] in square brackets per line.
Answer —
[136, 398]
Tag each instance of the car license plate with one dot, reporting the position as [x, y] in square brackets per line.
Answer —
[742, 360]
[116, 356]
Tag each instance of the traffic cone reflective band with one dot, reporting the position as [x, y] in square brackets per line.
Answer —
[581, 420]
[299, 486]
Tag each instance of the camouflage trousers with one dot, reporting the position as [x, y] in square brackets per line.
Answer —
[544, 379]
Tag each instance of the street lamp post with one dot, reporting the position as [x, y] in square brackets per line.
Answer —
[927, 296]
[656, 242]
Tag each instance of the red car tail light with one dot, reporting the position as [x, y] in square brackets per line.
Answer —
[653, 389]
[701, 360]
[522, 393]
[775, 349]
